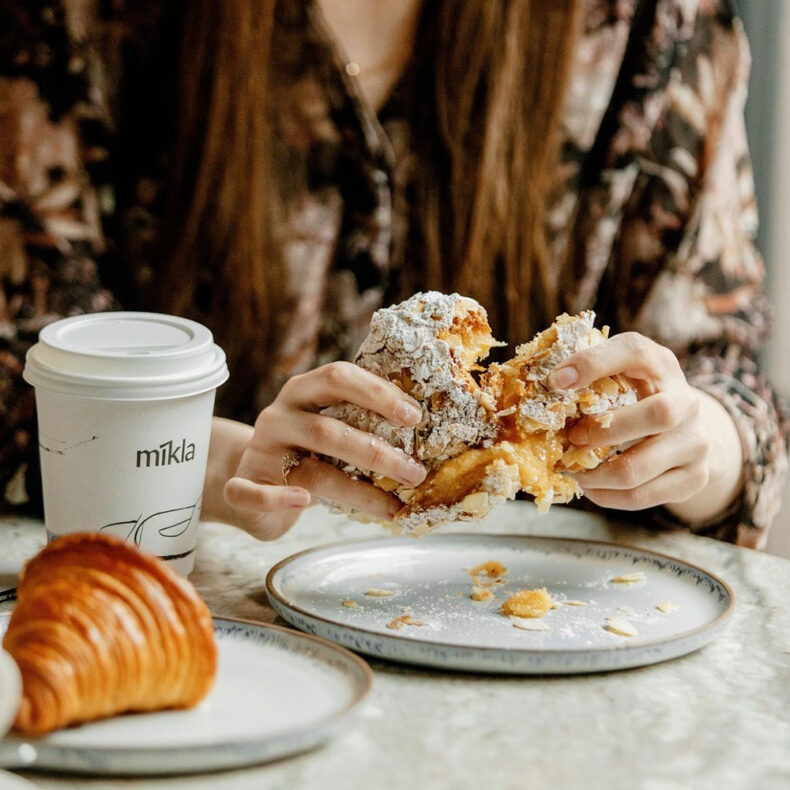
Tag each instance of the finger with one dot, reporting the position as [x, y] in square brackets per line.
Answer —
[644, 462]
[654, 415]
[328, 482]
[265, 511]
[629, 353]
[674, 485]
[243, 494]
[327, 436]
[344, 382]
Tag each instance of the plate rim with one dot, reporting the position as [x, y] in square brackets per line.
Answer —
[626, 648]
[326, 721]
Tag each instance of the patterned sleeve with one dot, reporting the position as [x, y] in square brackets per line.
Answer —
[688, 273]
[50, 235]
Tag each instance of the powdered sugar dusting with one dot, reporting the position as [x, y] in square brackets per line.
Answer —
[404, 339]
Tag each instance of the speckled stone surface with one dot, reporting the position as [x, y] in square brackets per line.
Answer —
[718, 718]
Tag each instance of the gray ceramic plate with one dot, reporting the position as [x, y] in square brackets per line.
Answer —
[277, 693]
[429, 581]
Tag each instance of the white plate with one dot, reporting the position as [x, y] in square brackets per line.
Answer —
[10, 691]
[429, 581]
[12, 782]
[277, 693]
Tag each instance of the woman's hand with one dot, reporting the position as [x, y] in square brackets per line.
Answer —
[685, 453]
[264, 503]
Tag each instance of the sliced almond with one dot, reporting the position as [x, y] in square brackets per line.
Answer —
[378, 592]
[617, 625]
[351, 604]
[629, 578]
[574, 603]
[475, 503]
[529, 625]
[667, 606]
[627, 609]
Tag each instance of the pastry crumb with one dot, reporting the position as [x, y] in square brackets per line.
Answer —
[378, 592]
[492, 569]
[481, 594]
[629, 578]
[404, 619]
[528, 603]
[616, 625]
[667, 606]
[351, 604]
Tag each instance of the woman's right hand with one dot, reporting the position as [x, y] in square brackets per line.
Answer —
[266, 505]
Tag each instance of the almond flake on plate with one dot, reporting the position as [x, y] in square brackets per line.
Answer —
[377, 592]
[529, 625]
[627, 609]
[351, 604]
[617, 625]
[667, 606]
[629, 578]
[574, 603]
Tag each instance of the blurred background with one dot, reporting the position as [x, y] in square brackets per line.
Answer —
[767, 24]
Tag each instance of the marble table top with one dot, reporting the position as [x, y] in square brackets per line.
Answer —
[717, 718]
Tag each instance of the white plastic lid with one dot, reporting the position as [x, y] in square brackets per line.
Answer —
[126, 356]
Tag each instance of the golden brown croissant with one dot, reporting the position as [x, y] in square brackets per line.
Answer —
[101, 628]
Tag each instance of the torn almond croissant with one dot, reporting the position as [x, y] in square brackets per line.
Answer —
[481, 440]
[100, 629]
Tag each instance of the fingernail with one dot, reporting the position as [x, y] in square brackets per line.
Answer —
[412, 473]
[297, 497]
[564, 378]
[407, 412]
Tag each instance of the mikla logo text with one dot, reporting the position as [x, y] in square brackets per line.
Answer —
[166, 454]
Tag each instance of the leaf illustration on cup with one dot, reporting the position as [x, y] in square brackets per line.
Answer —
[168, 523]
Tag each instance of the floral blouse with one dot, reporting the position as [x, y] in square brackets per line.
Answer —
[654, 228]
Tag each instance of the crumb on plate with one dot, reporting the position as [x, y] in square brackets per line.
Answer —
[378, 592]
[528, 603]
[492, 569]
[404, 619]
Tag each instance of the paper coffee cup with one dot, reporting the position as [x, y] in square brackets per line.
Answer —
[124, 404]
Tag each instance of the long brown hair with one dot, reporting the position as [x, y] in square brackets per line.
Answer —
[488, 84]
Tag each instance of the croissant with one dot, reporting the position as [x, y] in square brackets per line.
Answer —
[100, 629]
[482, 438]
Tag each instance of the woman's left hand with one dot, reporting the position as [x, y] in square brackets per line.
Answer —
[685, 453]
